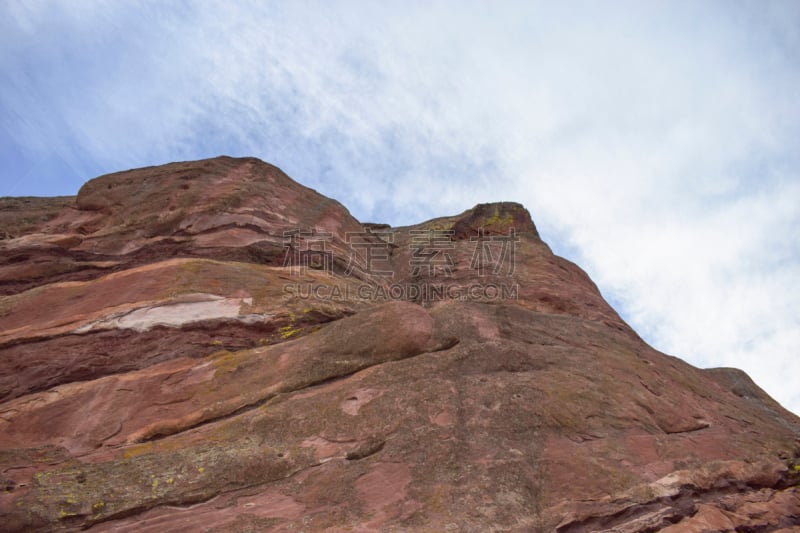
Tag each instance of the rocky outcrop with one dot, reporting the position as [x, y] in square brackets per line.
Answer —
[212, 346]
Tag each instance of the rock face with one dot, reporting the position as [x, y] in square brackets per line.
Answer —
[210, 346]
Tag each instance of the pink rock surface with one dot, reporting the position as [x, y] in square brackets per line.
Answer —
[162, 368]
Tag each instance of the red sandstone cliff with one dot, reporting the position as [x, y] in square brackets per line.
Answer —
[211, 346]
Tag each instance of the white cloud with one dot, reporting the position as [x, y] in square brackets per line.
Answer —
[655, 144]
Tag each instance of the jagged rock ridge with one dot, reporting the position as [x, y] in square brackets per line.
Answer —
[210, 345]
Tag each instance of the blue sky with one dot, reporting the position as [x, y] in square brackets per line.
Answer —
[655, 143]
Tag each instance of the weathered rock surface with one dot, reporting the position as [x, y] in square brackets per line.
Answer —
[210, 346]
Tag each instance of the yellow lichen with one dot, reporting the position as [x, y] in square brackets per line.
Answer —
[64, 514]
[225, 361]
[137, 449]
[504, 221]
[289, 331]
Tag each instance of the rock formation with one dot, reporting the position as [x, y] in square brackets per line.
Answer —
[210, 346]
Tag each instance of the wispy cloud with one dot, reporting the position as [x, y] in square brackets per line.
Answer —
[655, 143]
